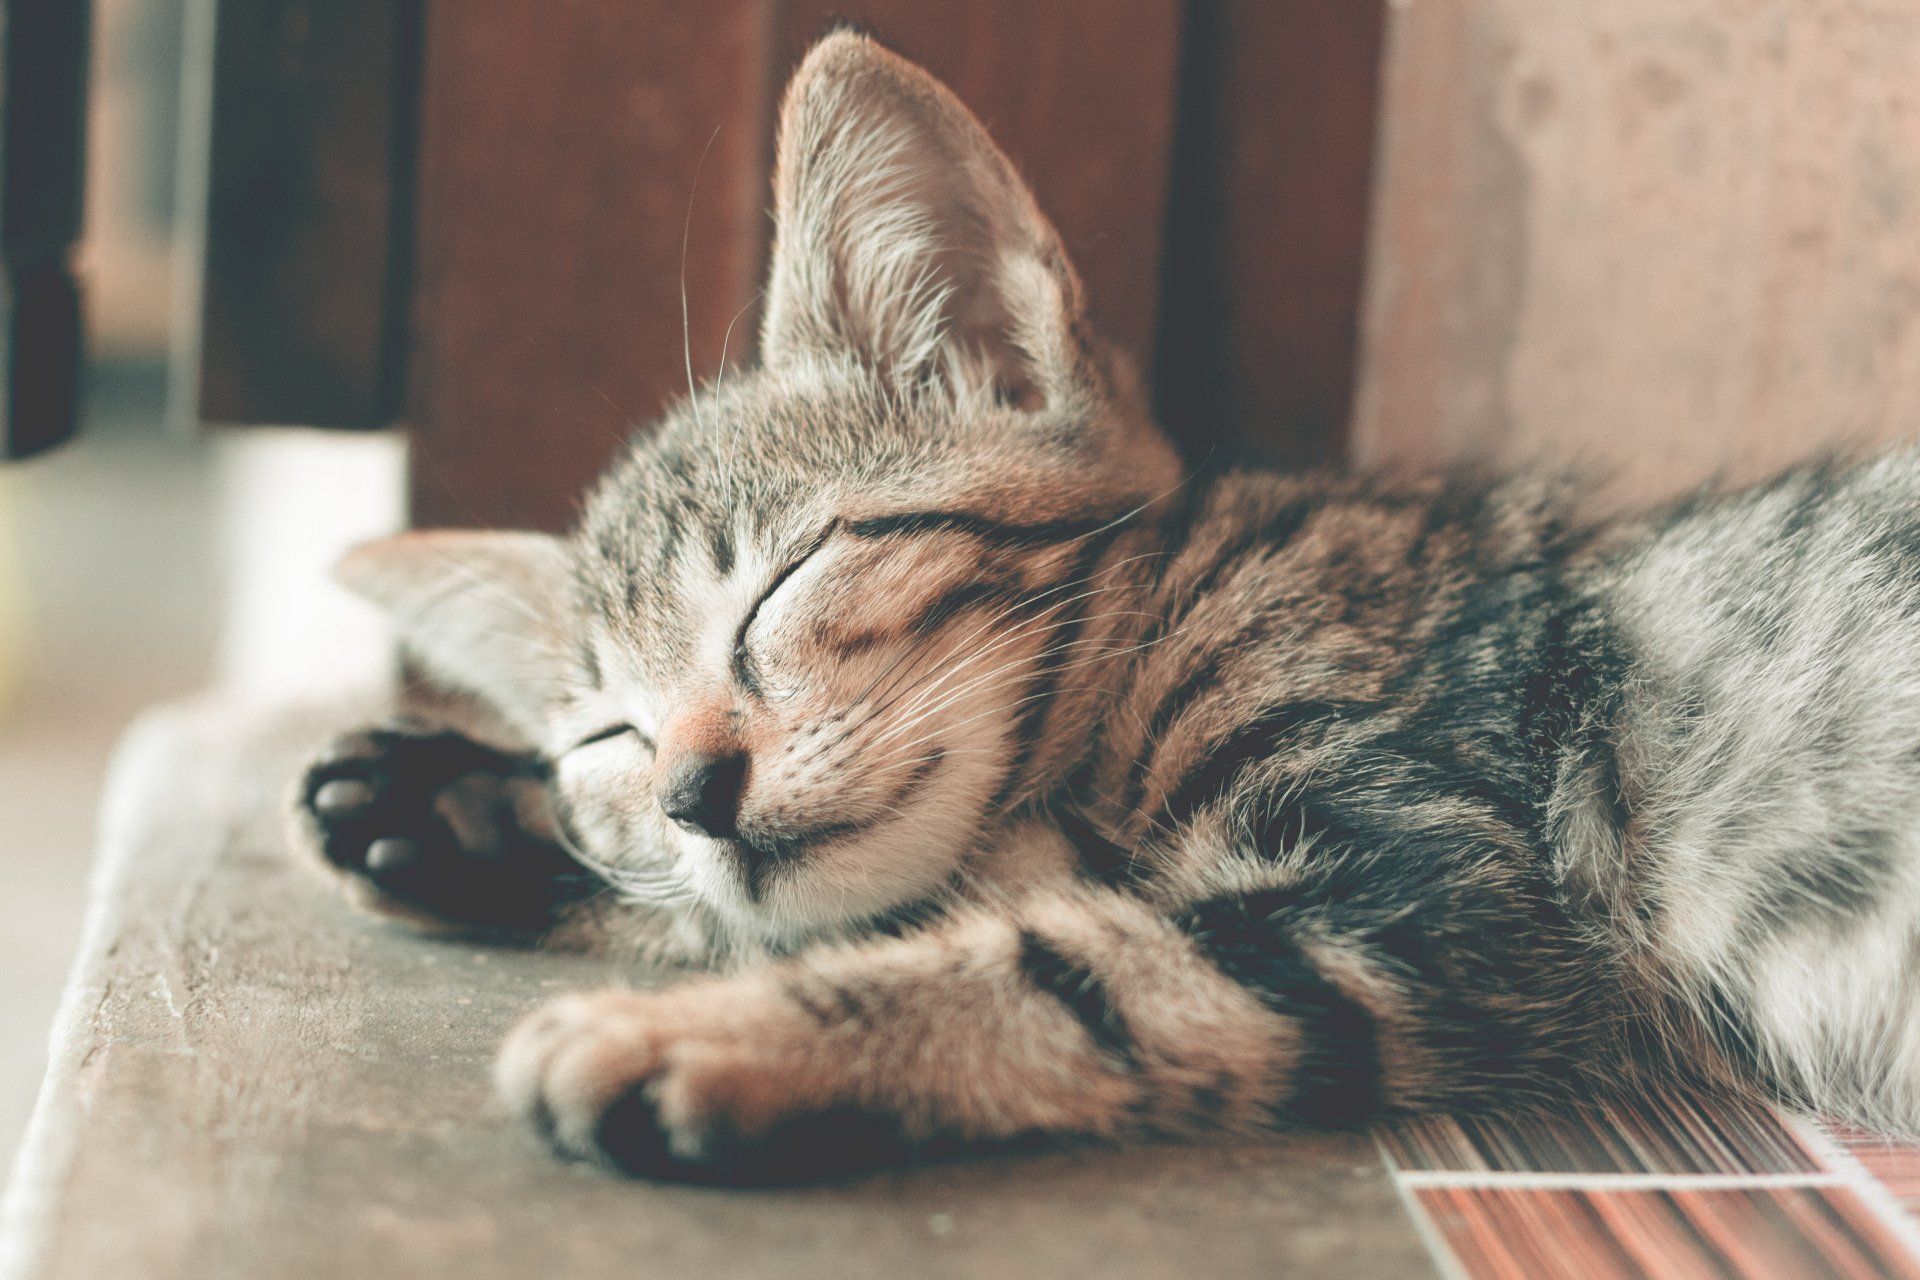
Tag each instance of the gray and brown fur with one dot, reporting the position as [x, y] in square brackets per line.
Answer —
[1070, 793]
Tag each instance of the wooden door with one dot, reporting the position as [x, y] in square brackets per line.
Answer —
[540, 184]
[1667, 237]
[43, 64]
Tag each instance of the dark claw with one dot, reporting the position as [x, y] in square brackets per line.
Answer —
[804, 1148]
[631, 1139]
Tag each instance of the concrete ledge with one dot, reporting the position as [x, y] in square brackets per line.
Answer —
[249, 1079]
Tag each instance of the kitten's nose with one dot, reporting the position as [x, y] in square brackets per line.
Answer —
[702, 793]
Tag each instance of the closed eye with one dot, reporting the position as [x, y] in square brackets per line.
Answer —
[742, 660]
[612, 731]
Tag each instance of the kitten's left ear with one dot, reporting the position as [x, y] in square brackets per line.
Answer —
[486, 611]
[904, 236]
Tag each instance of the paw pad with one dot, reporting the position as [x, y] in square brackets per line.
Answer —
[438, 823]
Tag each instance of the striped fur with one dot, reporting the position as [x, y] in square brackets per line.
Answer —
[1084, 796]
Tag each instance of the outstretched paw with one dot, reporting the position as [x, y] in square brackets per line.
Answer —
[432, 823]
[701, 1084]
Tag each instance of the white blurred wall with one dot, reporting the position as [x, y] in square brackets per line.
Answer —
[137, 565]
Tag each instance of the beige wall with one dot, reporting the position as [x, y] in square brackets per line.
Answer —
[1667, 235]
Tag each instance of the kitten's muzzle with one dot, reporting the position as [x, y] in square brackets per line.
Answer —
[701, 793]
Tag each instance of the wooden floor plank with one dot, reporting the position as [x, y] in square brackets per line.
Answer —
[251, 1079]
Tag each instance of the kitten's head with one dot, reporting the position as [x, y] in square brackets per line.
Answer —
[784, 664]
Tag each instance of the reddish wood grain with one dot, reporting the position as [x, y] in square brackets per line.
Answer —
[302, 315]
[559, 145]
[1267, 242]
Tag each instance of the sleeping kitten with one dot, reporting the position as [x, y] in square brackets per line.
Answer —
[1027, 785]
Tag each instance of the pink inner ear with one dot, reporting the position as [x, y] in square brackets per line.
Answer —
[401, 569]
[487, 612]
[896, 219]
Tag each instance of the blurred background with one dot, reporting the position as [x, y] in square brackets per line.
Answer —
[109, 562]
[350, 263]
[146, 557]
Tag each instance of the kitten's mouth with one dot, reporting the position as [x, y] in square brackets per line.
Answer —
[772, 851]
[763, 856]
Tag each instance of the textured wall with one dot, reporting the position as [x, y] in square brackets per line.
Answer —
[1673, 236]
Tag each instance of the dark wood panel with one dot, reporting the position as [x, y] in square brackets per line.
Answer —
[43, 67]
[560, 142]
[1080, 93]
[308, 214]
[1267, 240]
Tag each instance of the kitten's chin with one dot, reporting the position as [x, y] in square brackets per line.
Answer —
[883, 886]
[832, 900]
[782, 934]
[786, 922]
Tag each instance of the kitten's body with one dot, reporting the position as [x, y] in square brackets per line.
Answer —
[1155, 803]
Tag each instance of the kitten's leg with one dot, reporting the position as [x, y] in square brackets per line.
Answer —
[428, 823]
[1076, 1014]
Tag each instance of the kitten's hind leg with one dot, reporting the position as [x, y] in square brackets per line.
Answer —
[432, 825]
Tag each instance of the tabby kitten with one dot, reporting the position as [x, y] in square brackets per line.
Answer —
[1024, 784]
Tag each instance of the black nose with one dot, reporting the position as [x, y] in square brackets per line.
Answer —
[702, 793]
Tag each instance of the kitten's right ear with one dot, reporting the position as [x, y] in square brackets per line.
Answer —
[485, 611]
[904, 237]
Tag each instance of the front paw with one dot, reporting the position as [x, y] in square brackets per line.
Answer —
[698, 1084]
[433, 824]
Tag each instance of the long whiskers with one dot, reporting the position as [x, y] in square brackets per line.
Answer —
[1027, 601]
[664, 886]
[1103, 651]
[947, 695]
[686, 236]
[1045, 621]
